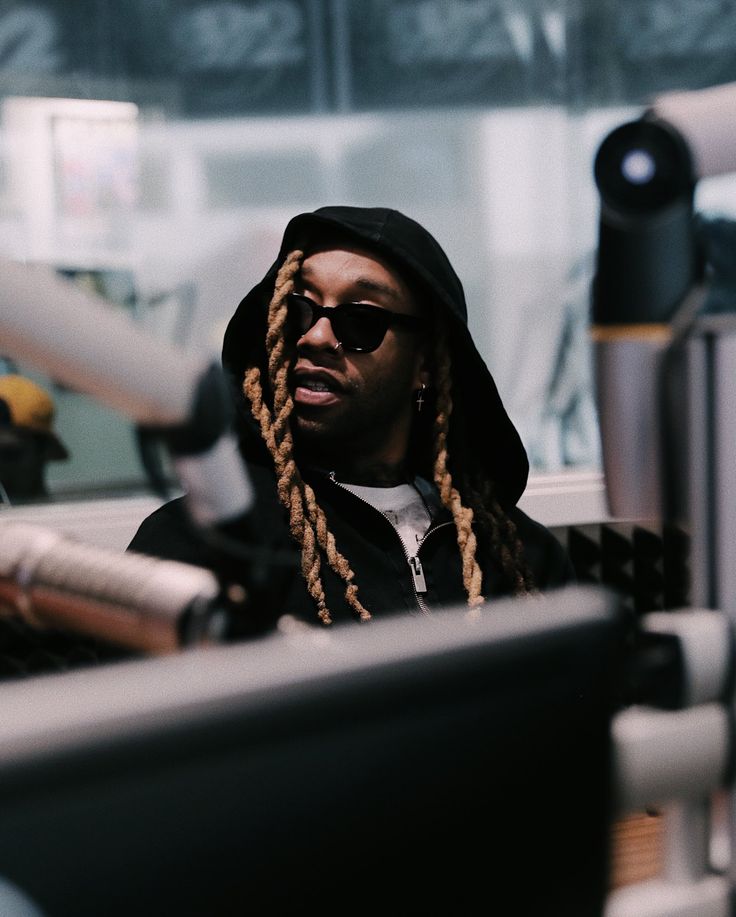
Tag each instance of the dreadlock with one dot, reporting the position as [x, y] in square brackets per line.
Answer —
[307, 522]
[479, 503]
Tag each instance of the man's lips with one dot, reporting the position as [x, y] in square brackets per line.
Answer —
[316, 388]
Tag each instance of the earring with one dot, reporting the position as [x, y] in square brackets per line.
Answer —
[420, 398]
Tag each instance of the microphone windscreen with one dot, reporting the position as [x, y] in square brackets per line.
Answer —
[127, 599]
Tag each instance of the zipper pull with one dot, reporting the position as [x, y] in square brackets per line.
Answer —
[416, 571]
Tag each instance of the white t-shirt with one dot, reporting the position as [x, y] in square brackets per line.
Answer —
[403, 506]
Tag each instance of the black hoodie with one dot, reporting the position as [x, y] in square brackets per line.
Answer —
[362, 534]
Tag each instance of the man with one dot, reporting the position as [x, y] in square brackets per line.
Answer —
[28, 440]
[373, 430]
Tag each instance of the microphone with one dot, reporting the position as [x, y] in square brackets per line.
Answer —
[646, 253]
[646, 172]
[131, 600]
[78, 339]
[645, 266]
[649, 277]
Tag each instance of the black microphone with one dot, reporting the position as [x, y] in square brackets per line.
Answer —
[131, 600]
[650, 280]
[646, 257]
[646, 171]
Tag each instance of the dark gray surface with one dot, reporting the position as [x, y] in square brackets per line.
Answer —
[432, 763]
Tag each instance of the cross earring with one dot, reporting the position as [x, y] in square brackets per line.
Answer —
[420, 398]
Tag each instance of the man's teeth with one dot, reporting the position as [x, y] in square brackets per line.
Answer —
[316, 386]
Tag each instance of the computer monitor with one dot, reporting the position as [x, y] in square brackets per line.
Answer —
[410, 765]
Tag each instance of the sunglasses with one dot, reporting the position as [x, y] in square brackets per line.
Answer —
[358, 326]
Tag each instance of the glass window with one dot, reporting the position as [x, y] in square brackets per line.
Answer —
[151, 153]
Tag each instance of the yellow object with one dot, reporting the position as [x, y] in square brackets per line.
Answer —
[30, 406]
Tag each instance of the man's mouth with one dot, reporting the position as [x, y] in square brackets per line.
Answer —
[316, 390]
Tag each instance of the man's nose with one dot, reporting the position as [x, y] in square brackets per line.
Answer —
[320, 334]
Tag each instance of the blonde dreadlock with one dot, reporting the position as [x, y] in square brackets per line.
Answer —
[307, 522]
[483, 503]
[463, 515]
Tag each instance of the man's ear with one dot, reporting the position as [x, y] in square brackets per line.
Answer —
[423, 372]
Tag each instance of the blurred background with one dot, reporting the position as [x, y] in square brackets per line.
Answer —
[155, 149]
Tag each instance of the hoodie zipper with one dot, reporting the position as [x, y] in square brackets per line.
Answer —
[418, 581]
[420, 585]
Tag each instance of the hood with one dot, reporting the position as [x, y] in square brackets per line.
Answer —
[490, 434]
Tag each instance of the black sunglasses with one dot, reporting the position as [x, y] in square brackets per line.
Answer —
[358, 326]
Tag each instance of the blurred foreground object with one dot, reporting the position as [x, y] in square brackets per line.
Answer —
[131, 600]
[449, 759]
[175, 397]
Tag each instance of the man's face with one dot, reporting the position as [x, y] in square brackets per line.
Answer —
[354, 409]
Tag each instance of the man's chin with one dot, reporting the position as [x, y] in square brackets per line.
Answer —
[316, 434]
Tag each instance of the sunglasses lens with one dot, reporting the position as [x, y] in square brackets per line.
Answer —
[300, 316]
[359, 328]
